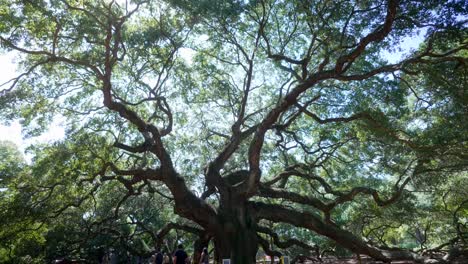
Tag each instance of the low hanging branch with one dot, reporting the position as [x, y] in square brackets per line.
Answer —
[287, 243]
[267, 248]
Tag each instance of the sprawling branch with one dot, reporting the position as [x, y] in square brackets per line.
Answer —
[344, 238]
[51, 58]
[291, 196]
[287, 243]
[291, 98]
[376, 36]
[187, 204]
[158, 237]
[315, 223]
[349, 196]
[265, 190]
[267, 248]
[212, 174]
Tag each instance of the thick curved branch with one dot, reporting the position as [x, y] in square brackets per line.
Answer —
[126, 113]
[375, 36]
[336, 119]
[315, 223]
[342, 197]
[376, 125]
[137, 149]
[159, 236]
[213, 178]
[139, 175]
[291, 196]
[349, 196]
[291, 98]
[281, 176]
[285, 244]
[267, 248]
[346, 239]
[250, 187]
[212, 175]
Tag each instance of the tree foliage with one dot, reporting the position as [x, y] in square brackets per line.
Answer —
[271, 123]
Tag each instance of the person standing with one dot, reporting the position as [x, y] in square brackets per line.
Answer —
[158, 258]
[205, 257]
[180, 256]
[166, 258]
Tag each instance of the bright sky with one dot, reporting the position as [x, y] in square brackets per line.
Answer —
[7, 70]
[12, 132]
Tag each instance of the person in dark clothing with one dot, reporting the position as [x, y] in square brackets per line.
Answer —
[159, 257]
[180, 256]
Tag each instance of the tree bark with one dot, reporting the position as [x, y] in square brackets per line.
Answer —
[237, 239]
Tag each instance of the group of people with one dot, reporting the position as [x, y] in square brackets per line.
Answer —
[160, 258]
[179, 257]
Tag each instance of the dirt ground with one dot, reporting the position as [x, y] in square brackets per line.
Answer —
[368, 261]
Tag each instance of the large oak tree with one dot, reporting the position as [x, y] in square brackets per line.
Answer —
[249, 113]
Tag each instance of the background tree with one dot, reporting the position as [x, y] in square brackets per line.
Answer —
[21, 235]
[247, 113]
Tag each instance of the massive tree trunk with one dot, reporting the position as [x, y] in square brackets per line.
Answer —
[237, 239]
